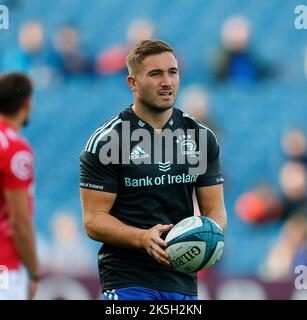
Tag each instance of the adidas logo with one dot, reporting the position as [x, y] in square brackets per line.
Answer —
[138, 153]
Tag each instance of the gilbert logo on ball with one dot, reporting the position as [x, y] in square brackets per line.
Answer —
[4, 17]
[194, 244]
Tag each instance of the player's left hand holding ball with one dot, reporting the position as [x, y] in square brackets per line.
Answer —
[155, 245]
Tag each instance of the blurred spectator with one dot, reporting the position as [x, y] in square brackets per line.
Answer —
[30, 56]
[236, 60]
[138, 30]
[68, 56]
[258, 205]
[68, 253]
[262, 204]
[290, 246]
[29, 50]
[293, 186]
[113, 60]
[196, 102]
[288, 251]
[294, 146]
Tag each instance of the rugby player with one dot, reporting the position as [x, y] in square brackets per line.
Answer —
[130, 199]
[19, 265]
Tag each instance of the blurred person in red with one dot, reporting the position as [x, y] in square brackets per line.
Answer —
[262, 204]
[17, 235]
[236, 60]
[113, 60]
[259, 205]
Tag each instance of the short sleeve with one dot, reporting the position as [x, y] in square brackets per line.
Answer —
[96, 175]
[18, 171]
[213, 174]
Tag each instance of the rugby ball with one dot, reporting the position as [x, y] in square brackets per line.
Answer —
[194, 244]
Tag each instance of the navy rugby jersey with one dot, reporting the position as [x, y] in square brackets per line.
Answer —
[154, 179]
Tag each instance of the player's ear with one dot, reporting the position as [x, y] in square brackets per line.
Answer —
[131, 82]
[27, 104]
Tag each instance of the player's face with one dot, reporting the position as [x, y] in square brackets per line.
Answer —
[157, 82]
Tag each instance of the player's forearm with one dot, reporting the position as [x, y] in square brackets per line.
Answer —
[110, 230]
[24, 237]
[219, 216]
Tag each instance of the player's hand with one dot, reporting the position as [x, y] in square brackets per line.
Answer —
[33, 285]
[155, 245]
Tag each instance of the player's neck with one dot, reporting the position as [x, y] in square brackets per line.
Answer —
[12, 122]
[154, 119]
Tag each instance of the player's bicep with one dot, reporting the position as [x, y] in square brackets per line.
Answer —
[96, 202]
[18, 205]
[95, 205]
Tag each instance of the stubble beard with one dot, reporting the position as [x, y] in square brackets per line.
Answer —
[155, 108]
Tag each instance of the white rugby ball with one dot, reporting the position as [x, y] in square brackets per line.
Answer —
[195, 243]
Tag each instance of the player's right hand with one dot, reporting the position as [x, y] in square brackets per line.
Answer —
[155, 245]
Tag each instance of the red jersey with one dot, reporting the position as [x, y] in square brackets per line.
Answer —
[16, 173]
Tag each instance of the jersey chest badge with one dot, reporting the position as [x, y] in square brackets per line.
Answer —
[188, 146]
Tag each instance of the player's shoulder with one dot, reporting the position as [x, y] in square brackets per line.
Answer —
[11, 141]
[187, 121]
[111, 126]
[15, 154]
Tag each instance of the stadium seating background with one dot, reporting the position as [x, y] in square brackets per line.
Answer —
[252, 117]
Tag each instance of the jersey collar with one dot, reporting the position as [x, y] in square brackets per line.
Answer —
[139, 123]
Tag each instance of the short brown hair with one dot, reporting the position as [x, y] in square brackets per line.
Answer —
[144, 49]
[15, 88]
